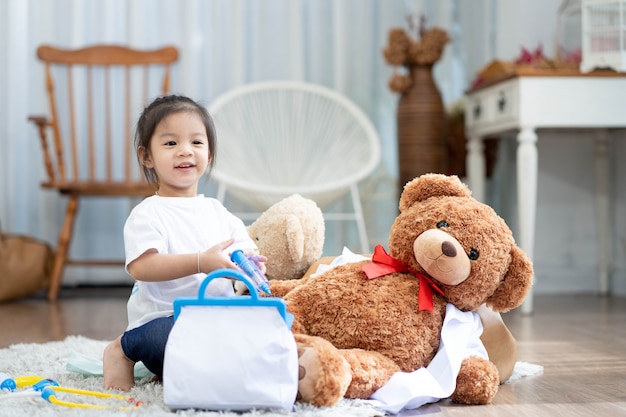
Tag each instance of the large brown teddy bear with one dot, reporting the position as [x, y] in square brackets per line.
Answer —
[354, 333]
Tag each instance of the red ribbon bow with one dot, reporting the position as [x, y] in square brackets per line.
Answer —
[384, 264]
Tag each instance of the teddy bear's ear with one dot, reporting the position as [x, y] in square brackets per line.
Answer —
[295, 238]
[432, 185]
[516, 283]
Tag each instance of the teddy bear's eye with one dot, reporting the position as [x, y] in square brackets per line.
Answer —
[473, 254]
[442, 223]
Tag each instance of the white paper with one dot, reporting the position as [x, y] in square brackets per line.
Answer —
[346, 257]
[460, 338]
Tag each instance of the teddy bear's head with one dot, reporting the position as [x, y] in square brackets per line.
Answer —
[291, 235]
[461, 243]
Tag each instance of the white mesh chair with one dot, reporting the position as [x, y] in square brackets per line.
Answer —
[280, 138]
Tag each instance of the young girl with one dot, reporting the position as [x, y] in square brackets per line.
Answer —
[173, 238]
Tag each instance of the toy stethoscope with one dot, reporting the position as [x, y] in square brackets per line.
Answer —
[48, 389]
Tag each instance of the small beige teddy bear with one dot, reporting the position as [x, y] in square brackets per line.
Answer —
[291, 235]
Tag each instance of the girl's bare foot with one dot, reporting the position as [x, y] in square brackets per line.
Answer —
[119, 371]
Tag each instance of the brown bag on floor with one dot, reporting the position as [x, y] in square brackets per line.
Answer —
[25, 265]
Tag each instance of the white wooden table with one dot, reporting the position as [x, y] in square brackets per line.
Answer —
[533, 99]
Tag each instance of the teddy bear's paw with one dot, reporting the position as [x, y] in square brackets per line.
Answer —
[280, 288]
[370, 371]
[477, 382]
[324, 375]
[240, 288]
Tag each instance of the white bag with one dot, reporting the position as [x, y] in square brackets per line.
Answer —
[230, 353]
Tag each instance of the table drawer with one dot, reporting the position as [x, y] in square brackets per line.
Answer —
[492, 105]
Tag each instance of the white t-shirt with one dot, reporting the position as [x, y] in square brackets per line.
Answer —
[177, 225]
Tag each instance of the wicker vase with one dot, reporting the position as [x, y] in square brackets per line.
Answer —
[421, 127]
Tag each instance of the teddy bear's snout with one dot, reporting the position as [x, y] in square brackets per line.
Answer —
[437, 253]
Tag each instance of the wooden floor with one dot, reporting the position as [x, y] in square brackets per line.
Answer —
[579, 340]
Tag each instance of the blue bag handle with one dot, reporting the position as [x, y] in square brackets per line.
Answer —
[253, 300]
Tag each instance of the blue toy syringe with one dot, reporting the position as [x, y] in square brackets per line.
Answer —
[251, 269]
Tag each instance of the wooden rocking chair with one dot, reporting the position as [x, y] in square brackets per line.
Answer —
[95, 96]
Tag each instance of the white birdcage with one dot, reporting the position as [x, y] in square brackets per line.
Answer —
[604, 35]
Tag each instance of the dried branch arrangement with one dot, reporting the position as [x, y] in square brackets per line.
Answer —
[402, 50]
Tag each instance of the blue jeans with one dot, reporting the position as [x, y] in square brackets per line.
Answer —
[146, 343]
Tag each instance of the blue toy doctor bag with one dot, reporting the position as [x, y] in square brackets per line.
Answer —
[230, 353]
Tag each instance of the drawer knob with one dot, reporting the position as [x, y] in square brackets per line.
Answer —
[502, 103]
[477, 111]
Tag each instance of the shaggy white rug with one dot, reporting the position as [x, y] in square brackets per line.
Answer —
[49, 360]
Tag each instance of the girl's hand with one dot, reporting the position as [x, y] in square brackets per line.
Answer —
[214, 258]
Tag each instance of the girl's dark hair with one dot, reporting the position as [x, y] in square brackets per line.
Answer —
[158, 110]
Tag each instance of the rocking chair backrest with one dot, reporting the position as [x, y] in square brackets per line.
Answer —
[95, 95]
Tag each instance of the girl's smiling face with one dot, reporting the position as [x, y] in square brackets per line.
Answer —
[179, 154]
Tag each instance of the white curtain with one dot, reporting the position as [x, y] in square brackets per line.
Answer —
[223, 43]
